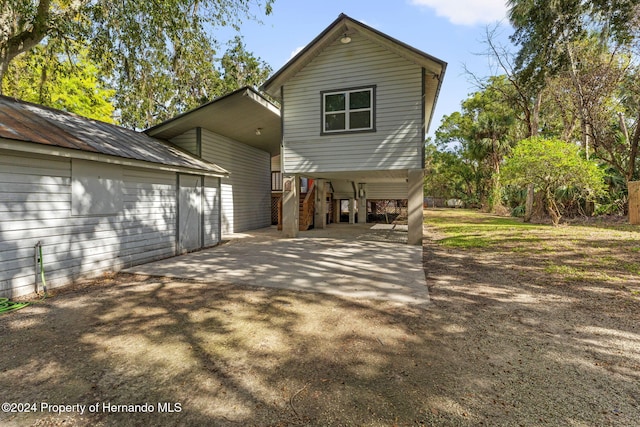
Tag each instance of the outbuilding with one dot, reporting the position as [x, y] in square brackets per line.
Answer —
[95, 196]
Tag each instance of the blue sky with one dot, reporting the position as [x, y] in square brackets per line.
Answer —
[451, 30]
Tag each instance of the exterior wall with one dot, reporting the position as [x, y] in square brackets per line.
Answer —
[246, 194]
[35, 205]
[212, 202]
[188, 141]
[275, 163]
[387, 191]
[397, 142]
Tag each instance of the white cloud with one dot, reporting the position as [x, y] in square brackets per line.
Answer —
[296, 51]
[467, 12]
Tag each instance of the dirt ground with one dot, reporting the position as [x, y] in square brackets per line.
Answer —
[509, 339]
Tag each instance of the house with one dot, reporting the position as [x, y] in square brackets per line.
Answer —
[97, 197]
[241, 133]
[355, 107]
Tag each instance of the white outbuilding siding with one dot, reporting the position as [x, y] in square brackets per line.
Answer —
[36, 201]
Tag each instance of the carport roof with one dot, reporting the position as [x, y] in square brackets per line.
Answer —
[237, 115]
[64, 134]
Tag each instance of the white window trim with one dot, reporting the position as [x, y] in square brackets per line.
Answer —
[347, 110]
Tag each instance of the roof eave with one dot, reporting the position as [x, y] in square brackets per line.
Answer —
[48, 150]
[245, 91]
[344, 24]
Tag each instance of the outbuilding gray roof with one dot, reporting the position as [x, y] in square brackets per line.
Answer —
[27, 122]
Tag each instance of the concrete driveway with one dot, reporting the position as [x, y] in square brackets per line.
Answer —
[355, 261]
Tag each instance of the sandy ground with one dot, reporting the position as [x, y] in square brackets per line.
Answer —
[501, 344]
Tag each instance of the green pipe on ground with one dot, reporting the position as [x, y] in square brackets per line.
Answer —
[6, 305]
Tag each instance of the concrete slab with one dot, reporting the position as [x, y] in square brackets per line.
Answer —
[350, 260]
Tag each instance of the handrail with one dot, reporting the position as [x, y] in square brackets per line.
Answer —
[309, 192]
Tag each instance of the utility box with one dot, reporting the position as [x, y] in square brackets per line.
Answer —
[634, 202]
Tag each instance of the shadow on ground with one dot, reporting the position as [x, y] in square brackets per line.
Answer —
[497, 346]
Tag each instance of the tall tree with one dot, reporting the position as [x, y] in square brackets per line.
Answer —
[549, 35]
[486, 129]
[582, 42]
[159, 55]
[47, 76]
[242, 68]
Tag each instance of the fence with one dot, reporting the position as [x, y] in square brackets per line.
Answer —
[634, 202]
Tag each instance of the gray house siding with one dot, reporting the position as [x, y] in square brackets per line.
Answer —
[36, 198]
[397, 142]
[246, 193]
[187, 141]
[387, 191]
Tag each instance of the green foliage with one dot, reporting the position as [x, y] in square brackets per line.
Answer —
[159, 56]
[241, 68]
[589, 47]
[552, 165]
[450, 175]
[481, 135]
[47, 76]
[543, 28]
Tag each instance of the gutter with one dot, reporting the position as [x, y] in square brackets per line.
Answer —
[34, 148]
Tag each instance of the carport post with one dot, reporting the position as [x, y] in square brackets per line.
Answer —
[352, 211]
[415, 184]
[290, 205]
[362, 204]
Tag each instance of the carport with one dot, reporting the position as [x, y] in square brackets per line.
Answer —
[360, 261]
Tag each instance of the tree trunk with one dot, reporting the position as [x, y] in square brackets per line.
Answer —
[585, 125]
[528, 207]
[552, 208]
[634, 144]
[535, 124]
[26, 37]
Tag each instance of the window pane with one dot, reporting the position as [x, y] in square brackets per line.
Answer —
[360, 120]
[360, 99]
[334, 122]
[334, 102]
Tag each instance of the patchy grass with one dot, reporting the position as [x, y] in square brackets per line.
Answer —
[464, 231]
[591, 252]
[528, 326]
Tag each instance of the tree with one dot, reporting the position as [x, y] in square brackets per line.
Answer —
[486, 129]
[46, 76]
[159, 55]
[544, 29]
[241, 68]
[588, 45]
[452, 173]
[552, 165]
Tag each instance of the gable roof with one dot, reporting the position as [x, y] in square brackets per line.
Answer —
[434, 68]
[61, 133]
[236, 115]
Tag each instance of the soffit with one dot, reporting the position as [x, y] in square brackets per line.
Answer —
[237, 115]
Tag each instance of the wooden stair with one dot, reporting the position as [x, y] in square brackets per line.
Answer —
[307, 209]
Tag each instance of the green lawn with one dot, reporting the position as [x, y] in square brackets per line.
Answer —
[590, 251]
